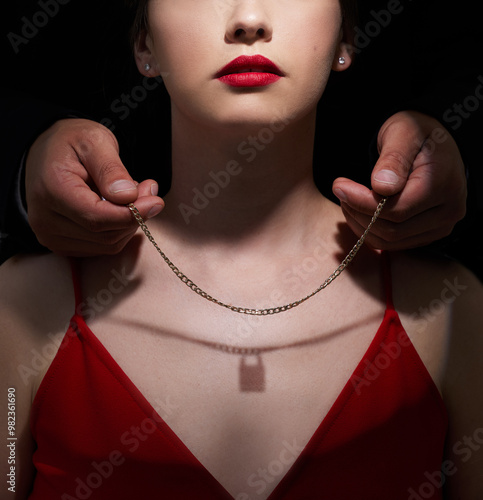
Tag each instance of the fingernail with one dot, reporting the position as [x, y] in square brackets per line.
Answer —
[340, 194]
[121, 186]
[387, 177]
[155, 211]
[154, 189]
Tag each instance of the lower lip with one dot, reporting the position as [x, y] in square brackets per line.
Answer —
[252, 79]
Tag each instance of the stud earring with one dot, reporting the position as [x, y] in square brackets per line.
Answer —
[341, 60]
[147, 67]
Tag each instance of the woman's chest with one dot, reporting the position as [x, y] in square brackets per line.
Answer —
[243, 395]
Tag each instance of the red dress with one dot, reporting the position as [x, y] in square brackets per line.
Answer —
[99, 438]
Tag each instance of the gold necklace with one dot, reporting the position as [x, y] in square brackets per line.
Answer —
[245, 310]
[252, 374]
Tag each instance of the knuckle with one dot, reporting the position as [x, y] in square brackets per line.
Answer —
[398, 216]
[390, 233]
[88, 142]
[114, 244]
[393, 235]
[94, 134]
[115, 248]
[377, 242]
[92, 138]
[112, 241]
[92, 223]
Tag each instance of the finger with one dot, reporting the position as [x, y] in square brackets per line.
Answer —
[387, 235]
[71, 239]
[92, 213]
[406, 244]
[148, 187]
[108, 216]
[419, 195]
[358, 197]
[98, 152]
[82, 248]
[399, 143]
[434, 220]
[58, 225]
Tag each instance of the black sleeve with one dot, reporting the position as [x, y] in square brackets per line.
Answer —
[22, 120]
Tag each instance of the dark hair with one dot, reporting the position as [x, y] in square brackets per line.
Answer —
[350, 17]
[139, 12]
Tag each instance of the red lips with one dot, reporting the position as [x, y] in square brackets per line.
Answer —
[249, 71]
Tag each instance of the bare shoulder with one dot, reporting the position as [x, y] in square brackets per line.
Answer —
[439, 301]
[36, 299]
[36, 302]
[431, 289]
[426, 272]
[441, 305]
[35, 291]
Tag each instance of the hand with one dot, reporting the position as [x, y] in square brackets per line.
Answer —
[68, 169]
[420, 168]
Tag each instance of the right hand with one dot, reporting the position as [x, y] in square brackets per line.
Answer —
[427, 185]
[69, 168]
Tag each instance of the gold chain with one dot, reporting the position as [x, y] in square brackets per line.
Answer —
[245, 310]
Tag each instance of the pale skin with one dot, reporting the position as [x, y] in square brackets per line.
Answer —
[268, 220]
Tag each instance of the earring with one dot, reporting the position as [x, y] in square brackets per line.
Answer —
[147, 67]
[341, 60]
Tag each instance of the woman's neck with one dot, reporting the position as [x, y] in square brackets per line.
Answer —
[234, 186]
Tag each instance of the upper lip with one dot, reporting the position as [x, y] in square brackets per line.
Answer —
[246, 64]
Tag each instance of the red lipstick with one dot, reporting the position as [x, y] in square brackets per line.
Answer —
[249, 71]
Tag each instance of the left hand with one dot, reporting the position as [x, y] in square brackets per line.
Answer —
[420, 168]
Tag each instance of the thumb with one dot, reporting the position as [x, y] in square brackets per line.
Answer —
[390, 173]
[110, 176]
[399, 146]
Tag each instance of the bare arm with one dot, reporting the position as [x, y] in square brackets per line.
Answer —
[31, 307]
[16, 397]
[463, 395]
